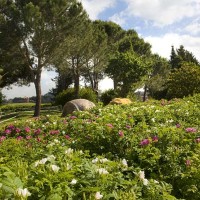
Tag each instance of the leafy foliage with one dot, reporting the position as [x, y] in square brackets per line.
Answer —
[68, 95]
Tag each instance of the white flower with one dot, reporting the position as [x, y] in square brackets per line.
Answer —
[55, 168]
[63, 132]
[103, 160]
[95, 160]
[141, 175]
[23, 192]
[43, 126]
[43, 161]
[153, 119]
[81, 152]
[102, 171]
[69, 151]
[54, 123]
[56, 141]
[37, 163]
[124, 162]
[73, 182]
[68, 166]
[156, 181]
[145, 181]
[98, 195]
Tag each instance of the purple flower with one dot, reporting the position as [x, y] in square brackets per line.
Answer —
[178, 125]
[121, 134]
[155, 138]
[11, 127]
[144, 142]
[27, 129]
[191, 130]
[109, 125]
[7, 131]
[128, 126]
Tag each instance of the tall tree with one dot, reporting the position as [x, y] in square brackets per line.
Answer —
[38, 30]
[181, 55]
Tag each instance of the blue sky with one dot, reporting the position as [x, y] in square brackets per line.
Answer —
[162, 23]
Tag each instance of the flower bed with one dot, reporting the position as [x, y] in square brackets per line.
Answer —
[138, 151]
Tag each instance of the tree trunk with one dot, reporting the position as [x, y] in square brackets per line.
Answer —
[145, 93]
[37, 83]
[76, 84]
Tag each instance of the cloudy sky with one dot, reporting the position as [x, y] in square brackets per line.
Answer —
[162, 23]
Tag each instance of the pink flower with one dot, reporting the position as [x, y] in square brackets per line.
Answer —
[73, 117]
[121, 134]
[17, 130]
[7, 131]
[188, 162]
[2, 138]
[39, 139]
[19, 138]
[67, 137]
[144, 142]
[28, 137]
[27, 129]
[178, 125]
[191, 130]
[155, 138]
[54, 132]
[197, 140]
[110, 125]
[37, 131]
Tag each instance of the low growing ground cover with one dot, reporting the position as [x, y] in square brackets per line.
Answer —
[139, 151]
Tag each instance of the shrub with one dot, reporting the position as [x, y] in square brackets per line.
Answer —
[108, 95]
[68, 95]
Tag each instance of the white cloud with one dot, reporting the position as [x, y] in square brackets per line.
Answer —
[96, 7]
[162, 45]
[194, 27]
[106, 84]
[162, 12]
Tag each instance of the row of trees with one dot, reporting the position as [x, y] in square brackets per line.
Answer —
[58, 34]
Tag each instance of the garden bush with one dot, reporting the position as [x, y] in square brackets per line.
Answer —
[68, 95]
[140, 151]
[108, 95]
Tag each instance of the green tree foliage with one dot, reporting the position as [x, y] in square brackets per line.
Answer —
[184, 81]
[126, 69]
[36, 32]
[181, 55]
[156, 83]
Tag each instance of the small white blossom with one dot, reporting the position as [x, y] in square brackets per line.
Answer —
[102, 171]
[54, 123]
[37, 163]
[141, 175]
[103, 160]
[23, 192]
[156, 181]
[56, 141]
[95, 160]
[63, 132]
[43, 161]
[55, 168]
[81, 152]
[124, 162]
[69, 151]
[98, 195]
[69, 166]
[153, 119]
[73, 182]
[145, 181]
[43, 125]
